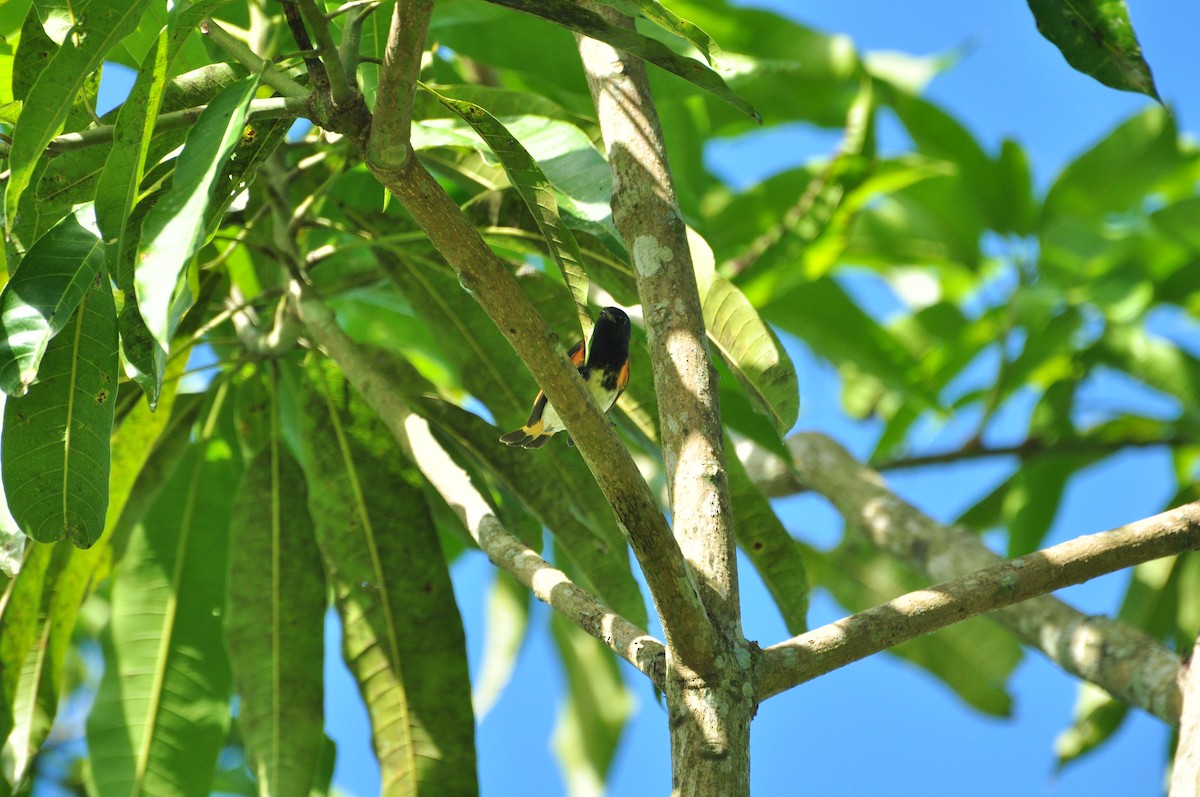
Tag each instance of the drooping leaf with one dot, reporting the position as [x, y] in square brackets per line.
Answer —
[506, 624]
[403, 637]
[275, 622]
[108, 21]
[1096, 37]
[595, 712]
[747, 345]
[36, 703]
[163, 703]
[776, 556]
[176, 227]
[588, 23]
[55, 448]
[535, 189]
[672, 23]
[41, 298]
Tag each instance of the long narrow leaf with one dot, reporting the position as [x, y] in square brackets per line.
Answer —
[776, 556]
[55, 447]
[597, 706]
[749, 347]
[403, 637]
[275, 623]
[176, 227]
[163, 703]
[106, 23]
[535, 190]
[670, 22]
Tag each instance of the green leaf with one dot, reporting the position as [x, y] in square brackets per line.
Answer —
[402, 635]
[175, 228]
[108, 21]
[1156, 363]
[974, 658]
[777, 557]
[275, 623]
[597, 707]
[747, 345]
[670, 22]
[163, 703]
[41, 298]
[506, 624]
[1096, 37]
[1139, 157]
[1098, 715]
[37, 697]
[827, 319]
[55, 447]
[535, 190]
[20, 625]
[590, 24]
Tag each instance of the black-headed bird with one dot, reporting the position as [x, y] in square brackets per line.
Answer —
[606, 372]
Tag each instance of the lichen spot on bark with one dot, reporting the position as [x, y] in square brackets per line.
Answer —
[649, 256]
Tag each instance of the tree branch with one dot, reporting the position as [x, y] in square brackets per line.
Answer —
[270, 108]
[339, 85]
[646, 213]
[821, 650]
[237, 49]
[387, 148]
[549, 584]
[1127, 663]
[777, 479]
[642, 522]
[1185, 777]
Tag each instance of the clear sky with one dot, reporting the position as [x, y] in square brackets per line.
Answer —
[881, 726]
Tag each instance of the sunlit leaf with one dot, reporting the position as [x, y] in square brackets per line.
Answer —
[534, 188]
[55, 448]
[40, 299]
[175, 228]
[163, 703]
[108, 21]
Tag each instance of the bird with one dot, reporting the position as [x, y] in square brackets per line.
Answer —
[606, 372]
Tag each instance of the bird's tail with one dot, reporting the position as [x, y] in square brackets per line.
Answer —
[527, 437]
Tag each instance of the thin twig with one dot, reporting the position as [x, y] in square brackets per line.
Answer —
[339, 84]
[236, 48]
[850, 639]
[270, 108]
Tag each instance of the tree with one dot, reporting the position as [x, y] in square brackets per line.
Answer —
[339, 444]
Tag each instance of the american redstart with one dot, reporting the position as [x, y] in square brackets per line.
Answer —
[606, 372]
